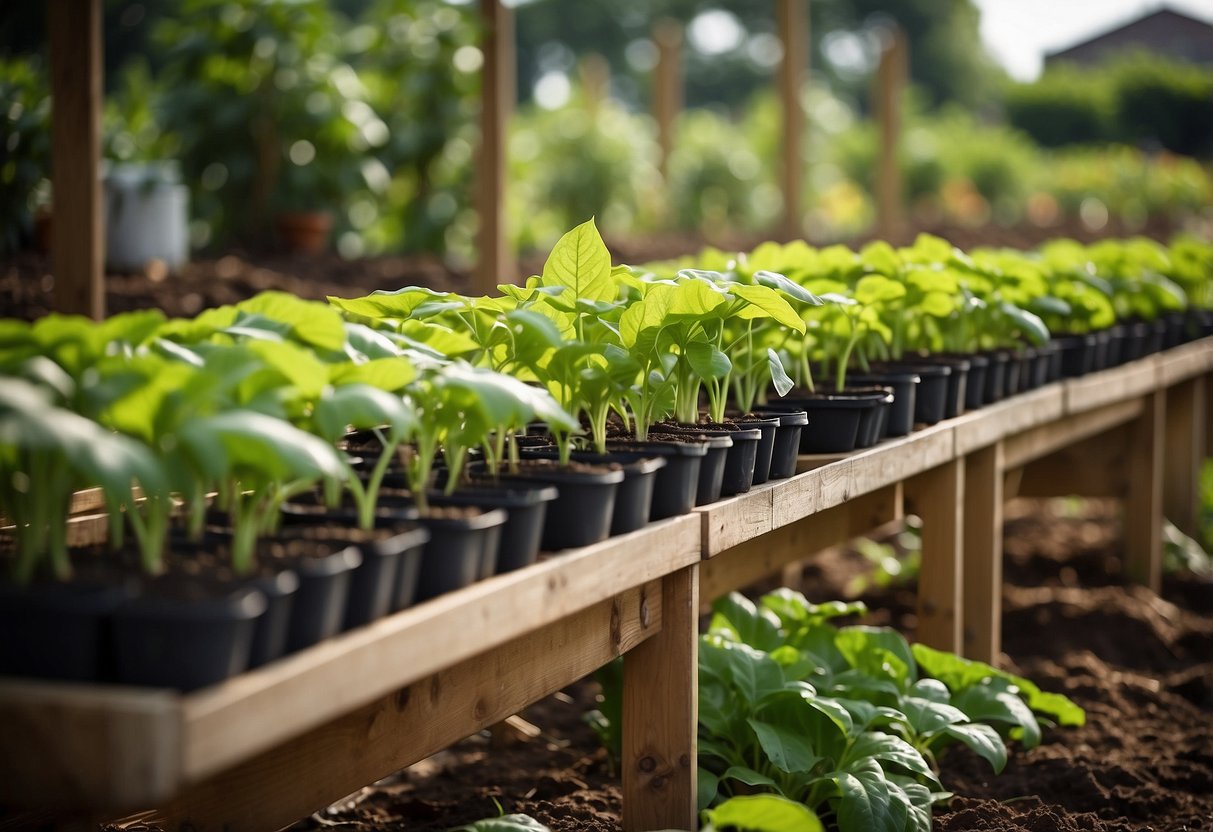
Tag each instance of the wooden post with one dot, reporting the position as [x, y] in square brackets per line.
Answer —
[937, 496]
[890, 81]
[495, 264]
[595, 75]
[667, 88]
[1143, 505]
[793, 19]
[78, 235]
[1184, 454]
[983, 502]
[661, 714]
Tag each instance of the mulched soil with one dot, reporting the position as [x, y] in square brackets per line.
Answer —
[1140, 664]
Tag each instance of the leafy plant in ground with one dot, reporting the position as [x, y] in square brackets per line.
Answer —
[841, 719]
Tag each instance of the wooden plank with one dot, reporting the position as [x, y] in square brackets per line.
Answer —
[661, 714]
[733, 520]
[900, 459]
[792, 20]
[1097, 466]
[938, 496]
[1143, 505]
[888, 91]
[667, 89]
[811, 491]
[496, 263]
[227, 723]
[1185, 362]
[69, 746]
[763, 556]
[981, 428]
[1184, 454]
[78, 236]
[982, 572]
[308, 772]
[1045, 439]
[1117, 384]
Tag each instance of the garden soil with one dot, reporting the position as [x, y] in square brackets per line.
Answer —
[1140, 664]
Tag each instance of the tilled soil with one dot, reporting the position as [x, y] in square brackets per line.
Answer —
[1141, 665]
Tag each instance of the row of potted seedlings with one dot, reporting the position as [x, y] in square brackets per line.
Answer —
[279, 471]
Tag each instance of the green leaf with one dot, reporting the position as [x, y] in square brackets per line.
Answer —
[747, 775]
[788, 287]
[865, 803]
[707, 360]
[707, 787]
[928, 717]
[984, 741]
[995, 701]
[742, 620]
[763, 813]
[870, 648]
[581, 263]
[889, 750]
[310, 322]
[1029, 324]
[361, 406]
[779, 376]
[770, 303]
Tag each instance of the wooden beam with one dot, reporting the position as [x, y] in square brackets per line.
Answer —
[1097, 466]
[1184, 454]
[982, 578]
[938, 497]
[661, 714]
[889, 87]
[667, 89]
[793, 21]
[1143, 505]
[595, 74]
[497, 89]
[1053, 436]
[78, 234]
[305, 774]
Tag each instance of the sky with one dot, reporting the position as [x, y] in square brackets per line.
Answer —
[1019, 32]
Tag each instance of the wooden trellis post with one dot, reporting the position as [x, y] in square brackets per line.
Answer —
[595, 74]
[793, 18]
[667, 88]
[78, 234]
[496, 262]
[890, 83]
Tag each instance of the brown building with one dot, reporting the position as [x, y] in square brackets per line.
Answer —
[1164, 32]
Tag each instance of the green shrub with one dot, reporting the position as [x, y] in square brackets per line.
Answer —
[1065, 106]
[25, 146]
[1164, 102]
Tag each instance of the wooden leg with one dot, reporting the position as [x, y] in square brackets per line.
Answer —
[1143, 505]
[937, 496]
[983, 500]
[1183, 454]
[661, 714]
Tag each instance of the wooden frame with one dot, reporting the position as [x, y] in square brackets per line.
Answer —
[270, 746]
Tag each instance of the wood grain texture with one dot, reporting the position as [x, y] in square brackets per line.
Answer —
[937, 496]
[497, 85]
[83, 745]
[1184, 453]
[228, 723]
[1143, 504]
[792, 20]
[667, 90]
[1107, 386]
[1184, 362]
[982, 568]
[980, 428]
[1046, 439]
[308, 772]
[78, 235]
[1097, 466]
[733, 520]
[889, 88]
[661, 714]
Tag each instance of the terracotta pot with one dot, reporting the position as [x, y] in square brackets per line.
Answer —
[304, 232]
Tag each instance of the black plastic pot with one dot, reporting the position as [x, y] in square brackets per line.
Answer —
[1157, 336]
[787, 442]
[1176, 324]
[585, 503]
[1077, 354]
[711, 469]
[1101, 352]
[323, 596]
[270, 632]
[676, 484]
[975, 390]
[833, 420]
[739, 460]
[874, 424]
[766, 445]
[526, 508]
[456, 552]
[996, 375]
[186, 643]
[904, 383]
[1133, 345]
[1039, 367]
[1117, 335]
[931, 398]
[59, 630]
[1017, 361]
[634, 498]
[958, 382]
